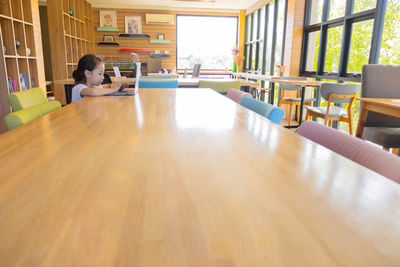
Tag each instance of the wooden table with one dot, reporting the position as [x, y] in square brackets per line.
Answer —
[303, 84]
[387, 106]
[182, 82]
[168, 178]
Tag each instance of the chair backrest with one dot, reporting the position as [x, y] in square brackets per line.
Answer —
[107, 79]
[237, 95]
[196, 71]
[353, 148]
[273, 113]
[27, 98]
[341, 89]
[165, 83]
[219, 85]
[290, 87]
[156, 77]
[381, 81]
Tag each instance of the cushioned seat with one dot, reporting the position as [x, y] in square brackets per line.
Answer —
[237, 95]
[28, 105]
[271, 112]
[353, 148]
[220, 86]
[333, 111]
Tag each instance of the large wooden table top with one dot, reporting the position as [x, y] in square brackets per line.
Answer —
[181, 81]
[185, 177]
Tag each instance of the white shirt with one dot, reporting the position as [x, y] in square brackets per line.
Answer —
[76, 91]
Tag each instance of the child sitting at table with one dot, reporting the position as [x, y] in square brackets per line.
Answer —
[88, 78]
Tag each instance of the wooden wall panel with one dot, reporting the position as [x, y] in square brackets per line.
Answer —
[151, 29]
[38, 43]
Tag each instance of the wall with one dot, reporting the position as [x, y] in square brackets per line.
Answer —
[152, 30]
[46, 43]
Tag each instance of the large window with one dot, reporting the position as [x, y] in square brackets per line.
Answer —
[341, 36]
[207, 40]
[265, 31]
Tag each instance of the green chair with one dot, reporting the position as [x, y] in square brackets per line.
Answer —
[219, 85]
[27, 106]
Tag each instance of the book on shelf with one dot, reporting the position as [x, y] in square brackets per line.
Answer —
[23, 81]
[11, 83]
[10, 90]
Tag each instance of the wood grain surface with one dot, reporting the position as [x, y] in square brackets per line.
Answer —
[185, 177]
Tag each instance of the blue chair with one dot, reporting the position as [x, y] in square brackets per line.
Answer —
[273, 113]
[157, 77]
[158, 83]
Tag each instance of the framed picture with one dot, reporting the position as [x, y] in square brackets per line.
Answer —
[108, 19]
[166, 51]
[108, 38]
[133, 24]
[156, 51]
[161, 36]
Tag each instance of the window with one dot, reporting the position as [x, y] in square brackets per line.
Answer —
[266, 27]
[207, 40]
[341, 36]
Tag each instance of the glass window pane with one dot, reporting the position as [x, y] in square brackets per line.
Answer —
[333, 46]
[193, 41]
[336, 9]
[279, 32]
[260, 56]
[360, 45]
[362, 5]
[312, 51]
[247, 56]
[253, 57]
[316, 11]
[390, 46]
[262, 22]
[248, 24]
[270, 26]
[255, 21]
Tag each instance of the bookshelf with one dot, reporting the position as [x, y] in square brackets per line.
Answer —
[71, 32]
[18, 49]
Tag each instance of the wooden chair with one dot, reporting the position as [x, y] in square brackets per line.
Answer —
[289, 100]
[335, 93]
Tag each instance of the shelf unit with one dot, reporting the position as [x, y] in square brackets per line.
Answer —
[134, 35]
[105, 29]
[72, 35]
[16, 26]
[160, 55]
[156, 41]
[139, 50]
[107, 43]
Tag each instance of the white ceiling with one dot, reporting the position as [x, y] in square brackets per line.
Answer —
[218, 5]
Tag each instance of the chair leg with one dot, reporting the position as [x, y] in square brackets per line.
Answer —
[330, 123]
[290, 113]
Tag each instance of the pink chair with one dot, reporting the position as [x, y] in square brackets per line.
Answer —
[353, 148]
[237, 95]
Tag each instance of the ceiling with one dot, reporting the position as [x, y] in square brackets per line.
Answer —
[218, 5]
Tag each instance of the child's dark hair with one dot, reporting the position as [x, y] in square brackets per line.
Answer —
[87, 62]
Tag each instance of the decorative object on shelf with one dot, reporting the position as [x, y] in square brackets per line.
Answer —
[71, 12]
[236, 59]
[133, 24]
[108, 38]
[156, 51]
[280, 70]
[134, 35]
[161, 36]
[107, 43]
[144, 50]
[108, 18]
[166, 52]
[28, 52]
[160, 41]
[105, 29]
[17, 43]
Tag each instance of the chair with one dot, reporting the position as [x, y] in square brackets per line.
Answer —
[353, 148]
[237, 95]
[107, 79]
[220, 86]
[156, 77]
[292, 100]
[28, 105]
[273, 113]
[337, 93]
[166, 83]
[381, 81]
[196, 71]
